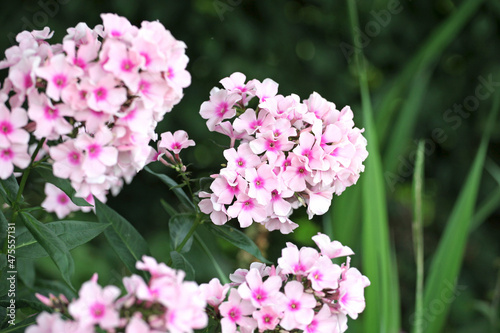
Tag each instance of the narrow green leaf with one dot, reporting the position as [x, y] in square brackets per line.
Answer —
[21, 326]
[382, 313]
[222, 276]
[127, 242]
[179, 227]
[485, 209]
[26, 270]
[418, 236]
[72, 233]
[54, 246]
[45, 171]
[237, 238]
[9, 188]
[344, 217]
[181, 195]
[438, 40]
[179, 262]
[3, 229]
[168, 208]
[447, 260]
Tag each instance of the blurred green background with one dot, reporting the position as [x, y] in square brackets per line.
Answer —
[306, 46]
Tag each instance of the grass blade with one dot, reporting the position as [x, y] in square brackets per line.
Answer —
[447, 260]
[382, 306]
[426, 55]
[342, 222]
[418, 236]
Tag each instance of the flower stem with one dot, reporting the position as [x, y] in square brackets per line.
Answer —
[214, 262]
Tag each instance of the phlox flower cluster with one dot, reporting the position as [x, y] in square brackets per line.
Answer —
[289, 153]
[305, 292]
[166, 303]
[95, 99]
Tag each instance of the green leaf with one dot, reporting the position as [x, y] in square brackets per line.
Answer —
[168, 208]
[181, 195]
[45, 171]
[54, 246]
[179, 262]
[9, 188]
[438, 40]
[237, 238]
[72, 233]
[342, 222]
[26, 270]
[447, 259]
[382, 312]
[179, 227]
[21, 326]
[127, 242]
[3, 229]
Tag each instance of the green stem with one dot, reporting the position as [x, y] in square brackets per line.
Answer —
[198, 220]
[214, 262]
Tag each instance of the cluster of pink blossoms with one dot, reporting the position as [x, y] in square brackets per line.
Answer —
[166, 303]
[289, 153]
[96, 100]
[305, 292]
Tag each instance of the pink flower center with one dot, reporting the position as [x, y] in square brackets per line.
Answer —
[176, 145]
[240, 162]
[294, 305]
[259, 295]
[94, 150]
[28, 82]
[97, 310]
[259, 182]
[234, 314]
[127, 65]
[170, 73]
[301, 171]
[100, 94]
[146, 57]
[6, 154]
[80, 63]
[144, 86]
[116, 33]
[273, 145]
[275, 195]
[311, 328]
[248, 205]
[5, 127]
[62, 199]
[221, 109]
[51, 113]
[59, 80]
[268, 318]
[74, 158]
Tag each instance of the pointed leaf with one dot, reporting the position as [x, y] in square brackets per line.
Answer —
[127, 242]
[179, 262]
[72, 233]
[45, 171]
[237, 238]
[54, 246]
[179, 227]
[168, 208]
[9, 188]
[181, 195]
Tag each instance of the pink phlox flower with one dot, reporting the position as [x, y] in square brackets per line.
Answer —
[228, 186]
[14, 154]
[137, 325]
[298, 306]
[249, 122]
[236, 83]
[58, 74]
[271, 145]
[310, 153]
[104, 92]
[236, 311]
[297, 262]
[98, 152]
[67, 161]
[95, 305]
[50, 118]
[260, 293]
[53, 323]
[118, 27]
[325, 322]
[331, 249]
[175, 142]
[318, 105]
[11, 126]
[210, 206]
[318, 201]
[151, 88]
[324, 274]
[57, 201]
[262, 181]
[176, 74]
[84, 54]
[219, 107]
[22, 74]
[278, 205]
[267, 318]
[121, 61]
[94, 120]
[351, 292]
[280, 106]
[296, 176]
[214, 292]
[241, 159]
[283, 224]
[247, 210]
[266, 89]
[227, 129]
[149, 264]
[81, 34]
